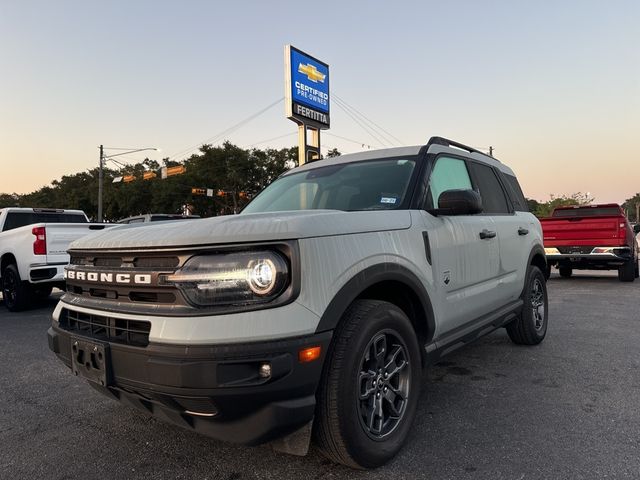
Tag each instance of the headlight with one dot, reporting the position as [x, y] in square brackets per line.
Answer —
[240, 278]
[551, 251]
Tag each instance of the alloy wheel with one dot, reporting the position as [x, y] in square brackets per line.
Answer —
[537, 304]
[383, 384]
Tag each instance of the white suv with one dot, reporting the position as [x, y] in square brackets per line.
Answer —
[316, 309]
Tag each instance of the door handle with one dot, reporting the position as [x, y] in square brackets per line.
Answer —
[522, 231]
[485, 234]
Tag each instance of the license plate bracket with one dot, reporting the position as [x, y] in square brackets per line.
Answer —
[90, 360]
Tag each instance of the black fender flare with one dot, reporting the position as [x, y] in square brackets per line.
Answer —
[536, 250]
[368, 277]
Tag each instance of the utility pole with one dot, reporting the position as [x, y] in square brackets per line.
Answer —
[638, 212]
[490, 151]
[100, 183]
[104, 158]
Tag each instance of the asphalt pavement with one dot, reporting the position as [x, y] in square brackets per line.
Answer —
[566, 409]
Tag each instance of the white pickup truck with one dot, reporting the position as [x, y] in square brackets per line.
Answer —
[33, 251]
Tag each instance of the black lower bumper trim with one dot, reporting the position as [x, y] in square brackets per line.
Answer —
[216, 390]
[40, 274]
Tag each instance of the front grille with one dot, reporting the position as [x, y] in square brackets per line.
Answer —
[107, 262]
[127, 296]
[116, 330]
[128, 261]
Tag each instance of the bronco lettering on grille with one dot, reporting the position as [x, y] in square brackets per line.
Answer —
[101, 277]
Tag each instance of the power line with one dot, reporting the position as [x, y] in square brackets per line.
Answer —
[363, 144]
[364, 127]
[271, 139]
[389, 135]
[227, 131]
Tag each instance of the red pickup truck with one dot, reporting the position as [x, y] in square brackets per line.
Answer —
[591, 237]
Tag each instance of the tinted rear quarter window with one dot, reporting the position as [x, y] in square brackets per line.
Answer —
[22, 219]
[515, 193]
[493, 197]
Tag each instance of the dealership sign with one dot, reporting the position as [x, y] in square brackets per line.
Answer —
[306, 88]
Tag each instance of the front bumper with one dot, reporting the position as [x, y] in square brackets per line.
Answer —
[215, 390]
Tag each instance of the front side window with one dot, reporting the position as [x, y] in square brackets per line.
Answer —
[448, 174]
[357, 186]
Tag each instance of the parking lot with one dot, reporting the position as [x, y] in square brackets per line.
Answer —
[567, 409]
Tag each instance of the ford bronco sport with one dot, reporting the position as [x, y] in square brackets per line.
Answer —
[313, 312]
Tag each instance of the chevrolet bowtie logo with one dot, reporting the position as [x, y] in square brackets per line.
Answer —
[311, 72]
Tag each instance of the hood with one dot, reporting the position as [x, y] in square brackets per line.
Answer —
[254, 227]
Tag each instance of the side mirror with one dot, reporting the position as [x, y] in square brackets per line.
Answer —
[636, 228]
[459, 202]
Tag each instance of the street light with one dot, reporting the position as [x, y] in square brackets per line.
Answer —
[103, 158]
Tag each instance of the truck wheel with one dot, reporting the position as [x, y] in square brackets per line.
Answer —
[531, 327]
[627, 272]
[565, 272]
[369, 391]
[14, 291]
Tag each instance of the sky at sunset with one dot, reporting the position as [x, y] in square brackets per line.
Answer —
[554, 87]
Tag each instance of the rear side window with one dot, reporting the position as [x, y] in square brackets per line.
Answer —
[22, 219]
[493, 197]
[515, 193]
[448, 174]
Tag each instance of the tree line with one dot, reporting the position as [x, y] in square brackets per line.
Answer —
[235, 174]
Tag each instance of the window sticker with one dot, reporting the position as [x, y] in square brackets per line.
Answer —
[390, 200]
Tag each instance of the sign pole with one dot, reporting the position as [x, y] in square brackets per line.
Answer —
[308, 143]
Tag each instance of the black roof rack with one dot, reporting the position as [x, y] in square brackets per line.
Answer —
[450, 143]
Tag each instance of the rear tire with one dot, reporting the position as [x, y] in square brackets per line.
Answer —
[566, 272]
[369, 390]
[15, 292]
[627, 272]
[531, 327]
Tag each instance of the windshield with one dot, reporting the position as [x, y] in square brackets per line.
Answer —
[367, 185]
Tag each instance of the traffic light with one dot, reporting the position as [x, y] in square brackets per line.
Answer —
[198, 191]
[170, 171]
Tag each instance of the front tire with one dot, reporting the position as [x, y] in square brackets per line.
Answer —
[369, 392]
[531, 327]
[14, 291]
